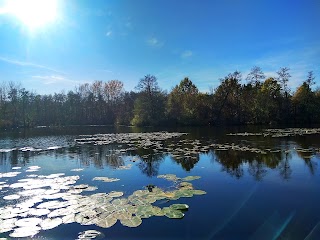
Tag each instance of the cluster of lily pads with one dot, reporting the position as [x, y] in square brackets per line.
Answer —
[143, 139]
[278, 132]
[29, 149]
[181, 149]
[42, 202]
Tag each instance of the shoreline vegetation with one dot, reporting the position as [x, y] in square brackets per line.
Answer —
[260, 101]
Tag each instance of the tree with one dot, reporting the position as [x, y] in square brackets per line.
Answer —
[149, 105]
[182, 102]
[227, 99]
[283, 78]
[268, 102]
[148, 85]
[255, 76]
[310, 79]
[113, 90]
[304, 101]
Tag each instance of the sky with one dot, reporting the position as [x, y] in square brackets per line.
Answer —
[50, 48]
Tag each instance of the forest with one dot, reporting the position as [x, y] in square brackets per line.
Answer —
[260, 100]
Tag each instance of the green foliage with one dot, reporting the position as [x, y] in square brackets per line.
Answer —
[183, 102]
[257, 102]
[149, 106]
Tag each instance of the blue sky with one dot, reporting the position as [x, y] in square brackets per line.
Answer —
[171, 39]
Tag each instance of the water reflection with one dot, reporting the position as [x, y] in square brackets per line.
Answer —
[232, 162]
[236, 155]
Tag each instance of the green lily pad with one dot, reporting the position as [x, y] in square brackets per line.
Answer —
[115, 194]
[134, 221]
[120, 201]
[190, 178]
[185, 185]
[172, 213]
[198, 192]
[179, 206]
[106, 222]
[122, 215]
[169, 177]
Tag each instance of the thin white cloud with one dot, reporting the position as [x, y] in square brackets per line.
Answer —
[154, 42]
[27, 64]
[55, 79]
[300, 63]
[186, 54]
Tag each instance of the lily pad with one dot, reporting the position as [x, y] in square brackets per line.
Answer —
[105, 179]
[23, 232]
[90, 234]
[28, 222]
[172, 213]
[115, 194]
[106, 222]
[169, 177]
[50, 223]
[68, 218]
[198, 192]
[179, 206]
[190, 178]
[77, 169]
[11, 197]
[38, 212]
[134, 221]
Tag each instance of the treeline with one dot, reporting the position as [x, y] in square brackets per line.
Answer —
[261, 100]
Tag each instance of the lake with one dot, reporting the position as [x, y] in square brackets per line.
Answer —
[182, 183]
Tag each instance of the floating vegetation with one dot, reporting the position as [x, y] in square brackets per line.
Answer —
[54, 147]
[77, 170]
[44, 202]
[90, 234]
[25, 232]
[172, 213]
[105, 179]
[141, 139]
[173, 177]
[50, 223]
[125, 167]
[285, 132]
[133, 221]
[179, 206]
[9, 174]
[16, 168]
[11, 197]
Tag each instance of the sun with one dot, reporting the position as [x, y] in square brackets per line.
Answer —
[33, 13]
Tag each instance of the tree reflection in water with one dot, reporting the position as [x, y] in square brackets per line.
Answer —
[186, 152]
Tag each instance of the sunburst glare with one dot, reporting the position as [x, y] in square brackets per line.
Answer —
[33, 13]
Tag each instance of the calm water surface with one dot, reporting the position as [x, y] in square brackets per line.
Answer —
[250, 195]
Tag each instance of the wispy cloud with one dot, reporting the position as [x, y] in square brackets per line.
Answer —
[154, 42]
[55, 79]
[27, 64]
[300, 63]
[186, 54]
